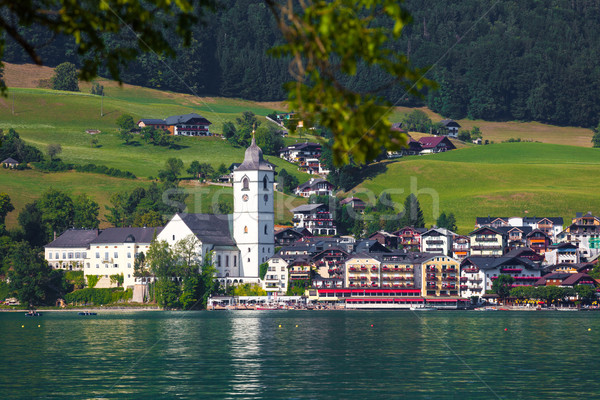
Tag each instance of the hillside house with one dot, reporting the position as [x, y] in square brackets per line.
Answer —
[285, 236]
[314, 217]
[538, 241]
[451, 127]
[10, 163]
[385, 238]
[584, 232]
[180, 125]
[488, 241]
[315, 186]
[461, 246]
[410, 238]
[355, 203]
[436, 144]
[298, 152]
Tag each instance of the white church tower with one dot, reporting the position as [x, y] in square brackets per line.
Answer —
[253, 211]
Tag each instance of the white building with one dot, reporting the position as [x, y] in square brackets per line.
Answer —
[276, 278]
[114, 252]
[69, 251]
[253, 211]
[437, 241]
[314, 217]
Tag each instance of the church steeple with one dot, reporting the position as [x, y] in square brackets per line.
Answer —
[253, 159]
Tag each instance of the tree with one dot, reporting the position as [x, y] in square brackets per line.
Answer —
[417, 121]
[412, 215]
[447, 221]
[229, 130]
[269, 140]
[264, 267]
[93, 142]
[596, 137]
[53, 150]
[30, 276]
[464, 135]
[587, 293]
[194, 169]
[65, 77]
[148, 219]
[125, 122]
[476, 133]
[85, 212]
[502, 285]
[30, 220]
[5, 206]
[323, 56]
[57, 212]
[98, 89]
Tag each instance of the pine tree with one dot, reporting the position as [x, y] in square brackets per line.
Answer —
[412, 214]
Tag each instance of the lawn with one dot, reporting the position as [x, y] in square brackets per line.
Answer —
[512, 179]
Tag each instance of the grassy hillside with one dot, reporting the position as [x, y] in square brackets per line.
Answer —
[509, 179]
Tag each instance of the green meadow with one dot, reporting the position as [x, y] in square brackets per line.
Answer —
[508, 179]
[46, 116]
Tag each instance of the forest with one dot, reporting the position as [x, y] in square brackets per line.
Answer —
[510, 60]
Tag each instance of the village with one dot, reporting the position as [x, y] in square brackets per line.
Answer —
[413, 267]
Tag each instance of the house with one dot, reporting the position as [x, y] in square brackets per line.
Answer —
[566, 280]
[180, 125]
[355, 203]
[461, 246]
[285, 236]
[479, 272]
[551, 226]
[584, 231]
[314, 217]
[562, 253]
[315, 186]
[400, 270]
[329, 262]
[276, 278]
[10, 163]
[387, 239]
[370, 246]
[440, 276]
[488, 241]
[362, 270]
[493, 222]
[437, 241]
[410, 238]
[114, 251]
[436, 144]
[538, 241]
[70, 250]
[451, 127]
[300, 152]
[413, 148]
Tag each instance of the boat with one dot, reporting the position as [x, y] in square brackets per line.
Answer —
[87, 313]
[423, 308]
[33, 314]
[267, 308]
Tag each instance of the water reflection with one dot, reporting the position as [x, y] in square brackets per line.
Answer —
[245, 356]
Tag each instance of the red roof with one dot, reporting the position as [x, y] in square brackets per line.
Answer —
[429, 142]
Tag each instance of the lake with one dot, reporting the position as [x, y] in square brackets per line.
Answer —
[301, 355]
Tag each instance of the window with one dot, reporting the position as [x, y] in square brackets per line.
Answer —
[227, 261]
[84, 255]
[245, 183]
[235, 261]
[265, 181]
[116, 255]
[246, 230]
[106, 255]
[128, 255]
[248, 249]
[56, 256]
[248, 259]
[128, 265]
[282, 277]
[64, 255]
[265, 229]
[219, 261]
[282, 269]
[49, 256]
[115, 265]
[97, 266]
[173, 237]
[97, 255]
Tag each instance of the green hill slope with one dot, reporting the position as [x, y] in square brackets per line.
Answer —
[512, 179]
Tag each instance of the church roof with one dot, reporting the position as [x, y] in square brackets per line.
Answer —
[215, 229]
[254, 160]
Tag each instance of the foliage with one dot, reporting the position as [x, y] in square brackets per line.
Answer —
[595, 272]
[158, 137]
[298, 287]
[12, 146]
[98, 89]
[264, 267]
[447, 221]
[173, 168]
[417, 121]
[93, 296]
[85, 212]
[596, 137]
[249, 289]
[125, 122]
[464, 135]
[58, 165]
[412, 215]
[31, 278]
[75, 278]
[502, 285]
[269, 139]
[53, 149]
[57, 212]
[327, 40]
[587, 293]
[286, 183]
[30, 220]
[5, 206]
[65, 77]
[92, 280]
[117, 279]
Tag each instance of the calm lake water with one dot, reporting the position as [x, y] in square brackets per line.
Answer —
[313, 355]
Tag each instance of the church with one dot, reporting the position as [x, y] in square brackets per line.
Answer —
[241, 241]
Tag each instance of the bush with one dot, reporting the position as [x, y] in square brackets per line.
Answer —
[98, 296]
[59, 166]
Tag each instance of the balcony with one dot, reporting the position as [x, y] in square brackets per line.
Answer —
[489, 247]
[431, 268]
[434, 242]
[450, 278]
[450, 269]
[471, 270]
[511, 270]
[374, 269]
[486, 239]
[464, 279]
[374, 278]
